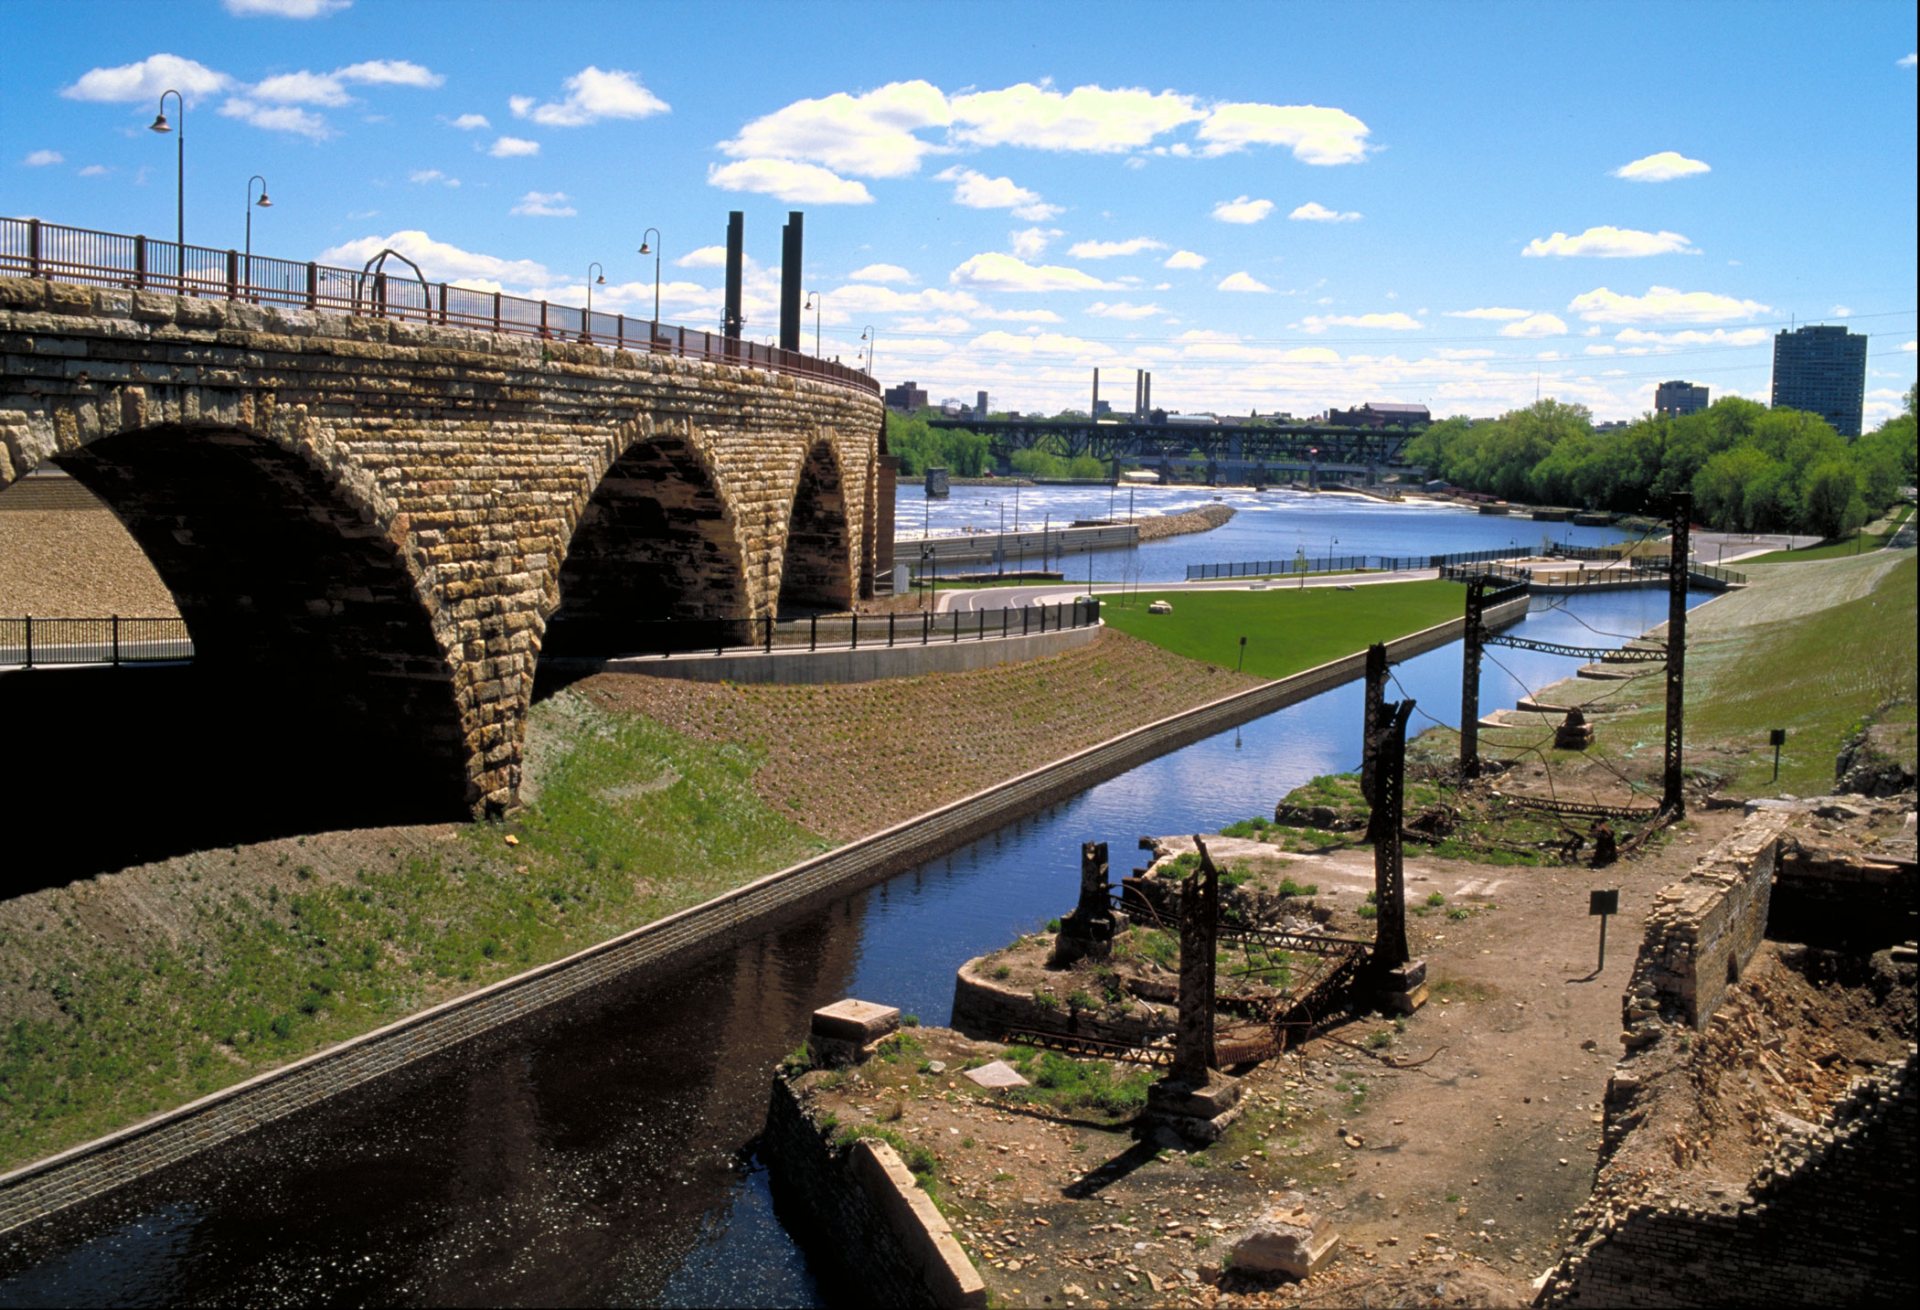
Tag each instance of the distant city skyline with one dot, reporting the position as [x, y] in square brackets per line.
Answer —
[1273, 208]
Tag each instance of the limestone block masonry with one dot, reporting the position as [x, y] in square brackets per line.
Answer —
[391, 504]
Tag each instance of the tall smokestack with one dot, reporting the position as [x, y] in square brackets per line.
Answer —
[736, 252]
[1146, 395]
[790, 280]
[1095, 411]
[1139, 392]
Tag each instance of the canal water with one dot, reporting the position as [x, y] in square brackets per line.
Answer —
[596, 1153]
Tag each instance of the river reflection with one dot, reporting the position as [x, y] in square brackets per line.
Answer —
[592, 1154]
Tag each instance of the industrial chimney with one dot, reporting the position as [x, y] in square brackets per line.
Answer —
[790, 281]
[736, 253]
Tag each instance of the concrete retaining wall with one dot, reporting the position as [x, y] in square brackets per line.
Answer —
[865, 664]
[1031, 543]
[94, 1168]
[862, 1215]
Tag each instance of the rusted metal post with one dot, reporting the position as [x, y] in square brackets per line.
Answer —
[1369, 749]
[1389, 877]
[1673, 797]
[1470, 681]
[233, 275]
[313, 285]
[140, 262]
[1199, 929]
[33, 247]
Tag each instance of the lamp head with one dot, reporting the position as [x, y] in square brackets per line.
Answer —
[601, 280]
[160, 124]
[263, 202]
[645, 249]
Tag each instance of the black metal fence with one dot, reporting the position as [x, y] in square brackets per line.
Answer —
[31, 248]
[29, 641]
[665, 637]
[1277, 568]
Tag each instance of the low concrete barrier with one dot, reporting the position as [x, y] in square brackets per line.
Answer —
[97, 1167]
[861, 664]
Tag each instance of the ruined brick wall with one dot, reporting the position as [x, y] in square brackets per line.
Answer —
[1702, 932]
[1829, 1220]
[458, 466]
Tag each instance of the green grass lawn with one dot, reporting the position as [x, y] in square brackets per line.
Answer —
[1287, 628]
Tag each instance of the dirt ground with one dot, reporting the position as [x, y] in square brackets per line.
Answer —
[1448, 1151]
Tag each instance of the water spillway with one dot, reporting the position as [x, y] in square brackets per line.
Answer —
[593, 1153]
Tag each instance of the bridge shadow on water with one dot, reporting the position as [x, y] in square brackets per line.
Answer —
[111, 767]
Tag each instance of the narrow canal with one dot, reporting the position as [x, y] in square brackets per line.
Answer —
[594, 1153]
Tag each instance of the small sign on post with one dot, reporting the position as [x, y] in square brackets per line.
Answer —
[1603, 903]
[1776, 737]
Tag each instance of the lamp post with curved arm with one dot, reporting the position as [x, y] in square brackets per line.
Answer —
[160, 124]
[813, 302]
[586, 324]
[872, 339]
[252, 204]
[654, 250]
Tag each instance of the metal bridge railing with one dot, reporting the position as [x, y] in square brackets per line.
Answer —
[32, 248]
[30, 641]
[667, 637]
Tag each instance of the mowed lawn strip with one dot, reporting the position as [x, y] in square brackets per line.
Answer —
[1288, 629]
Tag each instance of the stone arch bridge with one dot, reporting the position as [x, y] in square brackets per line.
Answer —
[393, 519]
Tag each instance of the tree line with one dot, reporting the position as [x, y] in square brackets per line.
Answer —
[970, 455]
[1749, 468]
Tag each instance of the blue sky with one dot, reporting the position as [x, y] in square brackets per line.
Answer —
[1273, 207]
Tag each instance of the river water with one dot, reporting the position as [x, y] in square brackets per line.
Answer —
[594, 1154]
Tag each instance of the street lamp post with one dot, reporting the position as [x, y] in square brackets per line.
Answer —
[160, 124]
[813, 302]
[252, 204]
[872, 339]
[653, 250]
[586, 324]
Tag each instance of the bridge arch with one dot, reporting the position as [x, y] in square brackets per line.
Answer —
[818, 563]
[654, 538]
[321, 693]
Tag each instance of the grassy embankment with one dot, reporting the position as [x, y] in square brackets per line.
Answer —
[1287, 629]
[1871, 537]
[1821, 648]
[131, 994]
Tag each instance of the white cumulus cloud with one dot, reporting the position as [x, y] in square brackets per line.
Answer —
[1609, 243]
[1112, 249]
[302, 88]
[1040, 343]
[513, 147]
[1394, 322]
[1536, 325]
[993, 271]
[1695, 337]
[285, 8]
[390, 72]
[1122, 310]
[867, 135]
[425, 176]
[1497, 313]
[1315, 134]
[1242, 282]
[1031, 243]
[1663, 305]
[1087, 118]
[1662, 167]
[789, 180]
[277, 118]
[593, 94]
[978, 191]
[1315, 212]
[1185, 259]
[1242, 210]
[545, 204]
[146, 80]
[880, 273]
[704, 257]
[471, 122]
[42, 158]
[1907, 60]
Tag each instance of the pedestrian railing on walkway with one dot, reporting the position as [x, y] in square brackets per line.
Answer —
[1280, 568]
[31, 248]
[29, 641]
[668, 637]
